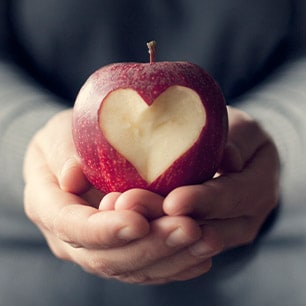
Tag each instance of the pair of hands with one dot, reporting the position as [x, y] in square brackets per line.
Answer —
[138, 236]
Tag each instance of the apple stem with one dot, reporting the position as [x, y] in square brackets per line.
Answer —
[152, 50]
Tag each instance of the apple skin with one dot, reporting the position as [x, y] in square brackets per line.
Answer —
[107, 169]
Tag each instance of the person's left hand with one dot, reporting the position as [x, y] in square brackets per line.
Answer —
[235, 204]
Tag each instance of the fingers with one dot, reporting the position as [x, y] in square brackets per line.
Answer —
[229, 196]
[82, 226]
[108, 202]
[234, 204]
[181, 267]
[69, 217]
[98, 240]
[196, 259]
[193, 272]
[243, 193]
[233, 232]
[188, 263]
[153, 260]
[217, 199]
[175, 249]
[159, 255]
[146, 203]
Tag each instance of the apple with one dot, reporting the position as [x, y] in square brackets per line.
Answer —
[156, 125]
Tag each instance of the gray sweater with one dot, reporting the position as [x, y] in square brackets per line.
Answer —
[256, 50]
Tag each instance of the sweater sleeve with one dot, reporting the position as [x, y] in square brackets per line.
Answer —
[25, 107]
[280, 106]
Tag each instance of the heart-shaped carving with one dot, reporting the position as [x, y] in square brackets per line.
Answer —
[152, 137]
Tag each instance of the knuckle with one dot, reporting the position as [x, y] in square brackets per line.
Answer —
[56, 246]
[138, 277]
[109, 269]
[59, 224]
[58, 252]
[198, 270]
[146, 255]
[101, 267]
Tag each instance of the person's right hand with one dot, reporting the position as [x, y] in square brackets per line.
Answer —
[137, 244]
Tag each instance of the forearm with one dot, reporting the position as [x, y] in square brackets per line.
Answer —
[25, 107]
[280, 106]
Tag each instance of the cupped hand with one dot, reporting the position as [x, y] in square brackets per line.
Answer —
[125, 236]
[235, 204]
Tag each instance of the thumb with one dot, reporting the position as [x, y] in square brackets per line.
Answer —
[56, 144]
[71, 177]
[232, 159]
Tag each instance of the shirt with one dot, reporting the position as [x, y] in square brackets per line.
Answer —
[256, 50]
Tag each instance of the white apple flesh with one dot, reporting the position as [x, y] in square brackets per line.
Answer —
[157, 126]
[152, 138]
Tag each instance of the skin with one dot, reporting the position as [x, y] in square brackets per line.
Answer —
[135, 235]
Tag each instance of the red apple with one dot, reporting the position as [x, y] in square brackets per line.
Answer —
[157, 126]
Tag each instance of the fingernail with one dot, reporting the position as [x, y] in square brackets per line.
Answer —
[125, 233]
[176, 238]
[201, 249]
